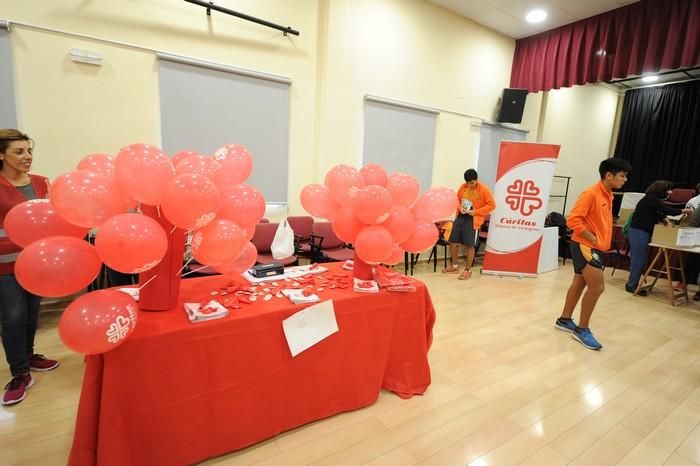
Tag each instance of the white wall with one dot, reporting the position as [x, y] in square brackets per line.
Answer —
[581, 119]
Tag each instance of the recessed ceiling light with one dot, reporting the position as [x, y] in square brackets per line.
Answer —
[536, 16]
[650, 79]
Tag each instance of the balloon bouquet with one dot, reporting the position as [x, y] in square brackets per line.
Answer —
[382, 215]
[199, 194]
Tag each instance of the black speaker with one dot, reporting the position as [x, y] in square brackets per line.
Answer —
[512, 106]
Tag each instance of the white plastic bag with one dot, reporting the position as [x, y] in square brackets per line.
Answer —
[283, 242]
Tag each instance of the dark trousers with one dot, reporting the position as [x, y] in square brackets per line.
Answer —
[121, 279]
[639, 245]
[19, 312]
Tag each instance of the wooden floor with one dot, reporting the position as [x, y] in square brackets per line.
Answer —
[507, 389]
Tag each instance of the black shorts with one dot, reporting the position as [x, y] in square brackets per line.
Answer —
[463, 231]
[583, 255]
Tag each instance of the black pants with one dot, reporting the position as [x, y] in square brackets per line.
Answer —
[19, 312]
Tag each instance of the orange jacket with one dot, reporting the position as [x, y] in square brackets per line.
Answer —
[593, 212]
[484, 203]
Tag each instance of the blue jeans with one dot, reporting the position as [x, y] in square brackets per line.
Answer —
[639, 245]
[19, 312]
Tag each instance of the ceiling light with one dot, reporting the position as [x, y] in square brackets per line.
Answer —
[536, 16]
[650, 79]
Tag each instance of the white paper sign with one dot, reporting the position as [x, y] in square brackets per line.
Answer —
[306, 328]
[686, 237]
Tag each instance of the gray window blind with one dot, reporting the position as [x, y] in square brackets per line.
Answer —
[8, 112]
[204, 106]
[490, 138]
[401, 138]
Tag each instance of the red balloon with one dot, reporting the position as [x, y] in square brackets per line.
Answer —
[131, 243]
[218, 242]
[346, 225]
[100, 163]
[373, 204]
[98, 322]
[435, 204]
[242, 204]
[424, 237]
[248, 231]
[374, 174]
[190, 201]
[86, 198]
[197, 164]
[57, 266]
[400, 223]
[235, 165]
[404, 189]
[142, 171]
[36, 219]
[182, 155]
[316, 200]
[396, 256]
[245, 260]
[343, 182]
[374, 244]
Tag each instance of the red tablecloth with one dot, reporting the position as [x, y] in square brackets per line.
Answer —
[178, 393]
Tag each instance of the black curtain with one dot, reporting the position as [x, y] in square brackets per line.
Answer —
[660, 135]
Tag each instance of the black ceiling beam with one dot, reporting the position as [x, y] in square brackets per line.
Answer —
[210, 6]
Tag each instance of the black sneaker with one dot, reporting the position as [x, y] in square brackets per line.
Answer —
[639, 293]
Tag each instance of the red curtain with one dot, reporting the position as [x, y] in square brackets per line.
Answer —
[643, 37]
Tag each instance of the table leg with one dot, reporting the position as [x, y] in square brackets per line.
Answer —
[641, 285]
[669, 277]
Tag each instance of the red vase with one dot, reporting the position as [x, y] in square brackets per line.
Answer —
[162, 292]
[361, 269]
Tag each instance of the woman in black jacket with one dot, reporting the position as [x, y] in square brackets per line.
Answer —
[650, 210]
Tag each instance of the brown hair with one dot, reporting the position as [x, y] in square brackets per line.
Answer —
[10, 135]
[659, 188]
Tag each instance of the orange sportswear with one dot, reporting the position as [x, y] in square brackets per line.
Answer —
[593, 212]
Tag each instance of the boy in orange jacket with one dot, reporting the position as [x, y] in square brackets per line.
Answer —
[476, 201]
[591, 221]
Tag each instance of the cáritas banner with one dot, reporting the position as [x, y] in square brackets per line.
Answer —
[523, 184]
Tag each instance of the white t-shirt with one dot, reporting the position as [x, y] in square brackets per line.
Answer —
[693, 203]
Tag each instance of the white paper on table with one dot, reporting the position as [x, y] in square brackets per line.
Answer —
[133, 292]
[697, 236]
[686, 237]
[306, 328]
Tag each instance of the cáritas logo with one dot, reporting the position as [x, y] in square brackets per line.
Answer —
[523, 197]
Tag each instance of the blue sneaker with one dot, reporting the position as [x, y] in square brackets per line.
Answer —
[567, 325]
[586, 338]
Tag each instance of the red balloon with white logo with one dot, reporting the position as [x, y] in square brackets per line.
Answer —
[235, 165]
[142, 171]
[190, 201]
[57, 266]
[98, 322]
[131, 243]
[218, 242]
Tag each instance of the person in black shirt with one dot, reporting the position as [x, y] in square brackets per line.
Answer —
[650, 210]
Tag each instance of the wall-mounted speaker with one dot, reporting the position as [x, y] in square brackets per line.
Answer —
[511, 106]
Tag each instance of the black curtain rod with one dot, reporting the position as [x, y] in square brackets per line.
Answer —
[210, 6]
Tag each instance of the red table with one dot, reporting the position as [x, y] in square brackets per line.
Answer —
[179, 393]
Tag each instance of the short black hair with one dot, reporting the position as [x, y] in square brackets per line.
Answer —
[470, 175]
[613, 165]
